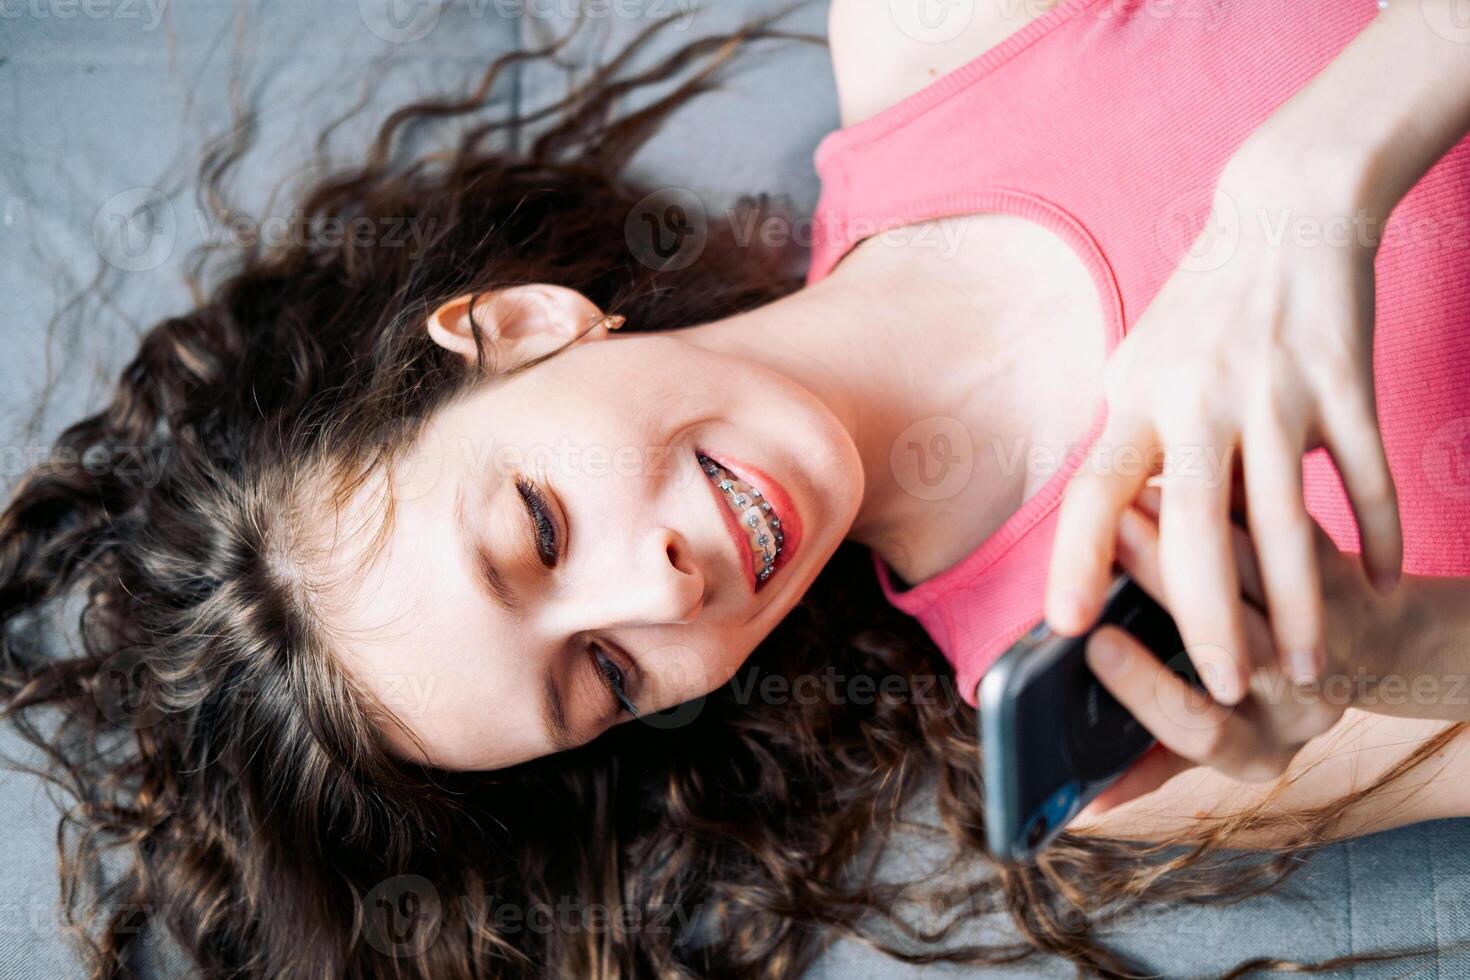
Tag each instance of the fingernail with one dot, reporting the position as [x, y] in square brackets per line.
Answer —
[1303, 665]
[1107, 652]
[1386, 582]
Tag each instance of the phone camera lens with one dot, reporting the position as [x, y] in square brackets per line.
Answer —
[1037, 831]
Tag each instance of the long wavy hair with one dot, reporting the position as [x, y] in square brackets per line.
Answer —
[210, 743]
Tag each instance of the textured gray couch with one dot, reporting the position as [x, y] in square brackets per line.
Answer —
[104, 102]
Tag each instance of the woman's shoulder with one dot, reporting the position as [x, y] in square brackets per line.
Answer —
[884, 52]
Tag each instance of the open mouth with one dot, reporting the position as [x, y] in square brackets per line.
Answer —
[758, 518]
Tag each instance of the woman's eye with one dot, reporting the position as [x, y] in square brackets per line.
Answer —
[611, 671]
[613, 679]
[543, 527]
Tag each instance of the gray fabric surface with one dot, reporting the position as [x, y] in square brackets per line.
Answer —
[102, 101]
[1395, 890]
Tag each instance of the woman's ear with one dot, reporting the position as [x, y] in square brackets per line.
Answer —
[517, 323]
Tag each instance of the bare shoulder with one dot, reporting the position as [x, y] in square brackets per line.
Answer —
[1359, 750]
[884, 52]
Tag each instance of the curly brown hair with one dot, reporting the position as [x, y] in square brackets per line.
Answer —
[207, 735]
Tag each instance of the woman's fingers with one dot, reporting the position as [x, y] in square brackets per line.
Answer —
[1197, 559]
[1180, 716]
[1282, 532]
[1287, 715]
[1149, 501]
[1248, 566]
[1087, 525]
[1138, 554]
[1350, 431]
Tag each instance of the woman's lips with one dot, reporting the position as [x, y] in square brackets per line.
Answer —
[781, 503]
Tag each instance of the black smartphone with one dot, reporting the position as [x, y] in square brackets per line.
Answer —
[1051, 736]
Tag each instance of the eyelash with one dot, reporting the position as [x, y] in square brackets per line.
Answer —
[550, 554]
[550, 549]
[612, 679]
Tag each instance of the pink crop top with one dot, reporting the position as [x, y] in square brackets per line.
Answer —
[1109, 124]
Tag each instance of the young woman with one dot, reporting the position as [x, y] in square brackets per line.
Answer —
[420, 534]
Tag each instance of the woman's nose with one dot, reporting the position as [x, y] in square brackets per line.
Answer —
[665, 584]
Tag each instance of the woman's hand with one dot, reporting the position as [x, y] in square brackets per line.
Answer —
[1269, 353]
[1255, 740]
[1256, 361]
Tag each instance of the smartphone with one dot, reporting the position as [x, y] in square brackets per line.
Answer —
[1051, 736]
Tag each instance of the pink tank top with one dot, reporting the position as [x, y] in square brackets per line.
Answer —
[1108, 122]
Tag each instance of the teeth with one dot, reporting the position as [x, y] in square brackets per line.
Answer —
[763, 526]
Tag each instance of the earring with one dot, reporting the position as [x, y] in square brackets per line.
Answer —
[613, 321]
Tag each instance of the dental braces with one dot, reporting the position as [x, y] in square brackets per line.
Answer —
[742, 500]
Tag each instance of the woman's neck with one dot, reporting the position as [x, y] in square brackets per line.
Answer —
[960, 378]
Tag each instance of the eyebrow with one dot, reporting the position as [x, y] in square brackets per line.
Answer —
[553, 713]
[553, 709]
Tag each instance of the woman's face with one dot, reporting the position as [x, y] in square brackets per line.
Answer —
[576, 485]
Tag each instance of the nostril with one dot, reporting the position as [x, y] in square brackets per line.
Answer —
[677, 556]
[673, 552]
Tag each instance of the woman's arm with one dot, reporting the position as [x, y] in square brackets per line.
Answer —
[1268, 354]
[1374, 121]
[1338, 764]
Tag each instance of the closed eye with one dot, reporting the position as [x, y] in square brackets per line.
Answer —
[613, 680]
[543, 528]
